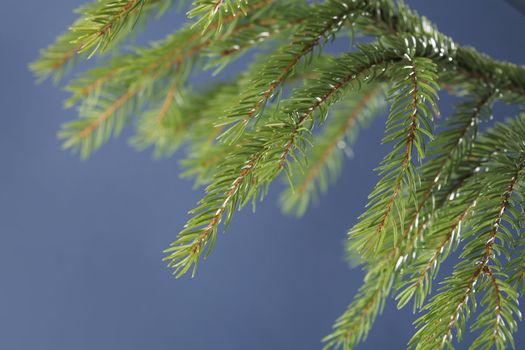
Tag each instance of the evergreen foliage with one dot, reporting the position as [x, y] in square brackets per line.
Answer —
[454, 186]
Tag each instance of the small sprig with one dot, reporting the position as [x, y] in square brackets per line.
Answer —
[408, 125]
[98, 28]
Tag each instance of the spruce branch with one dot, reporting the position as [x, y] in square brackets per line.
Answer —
[143, 72]
[206, 152]
[268, 151]
[407, 126]
[98, 28]
[279, 139]
[353, 325]
[447, 150]
[459, 186]
[213, 11]
[316, 24]
[496, 322]
[102, 23]
[391, 263]
[450, 309]
[384, 17]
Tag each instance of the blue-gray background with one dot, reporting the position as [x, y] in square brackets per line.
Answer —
[81, 242]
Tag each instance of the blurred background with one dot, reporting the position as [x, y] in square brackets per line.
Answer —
[81, 241]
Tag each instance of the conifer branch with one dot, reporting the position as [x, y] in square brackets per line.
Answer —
[277, 147]
[321, 23]
[500, 183]
[210, 13]
[101, 24]
[282, 137]
[467, 194]
[99, 27]
[389, 264]
[205, 153]
[496, 322]
[420, 341]
[407, 126]
[381, 274]
[78, 133]
[447, 151]
[383, 17]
